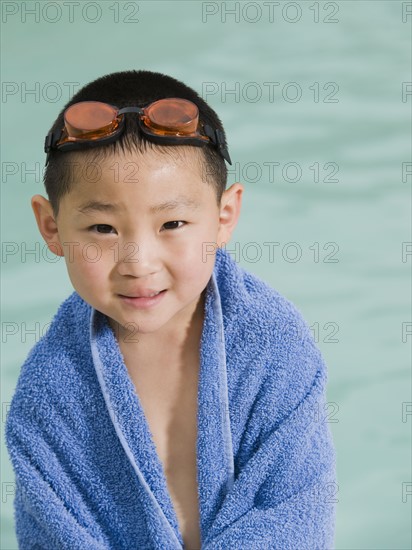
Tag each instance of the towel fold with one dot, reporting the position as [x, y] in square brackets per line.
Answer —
[87, 472]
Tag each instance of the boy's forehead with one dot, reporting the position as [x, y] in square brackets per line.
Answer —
[89, 165]
[169, 178]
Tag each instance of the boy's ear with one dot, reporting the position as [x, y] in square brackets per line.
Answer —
[46, 223]
[230, 206]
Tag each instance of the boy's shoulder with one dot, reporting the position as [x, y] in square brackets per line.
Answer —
[269, 344]
[70, 323]
[254, 306]
[66, 339]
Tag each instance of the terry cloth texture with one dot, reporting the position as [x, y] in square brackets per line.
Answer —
[88, 476]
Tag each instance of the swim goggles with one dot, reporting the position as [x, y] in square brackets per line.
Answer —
[171, 120]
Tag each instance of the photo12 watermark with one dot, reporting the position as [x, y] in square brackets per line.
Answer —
[406, 251]
[271, 91]
[406, 91]
[275, 252]
[88, 171]
[32, 331]
[270, 12]
[406, 491]
[70, 12]
[272, 171]
[406, 8]
[406, 331]
[406, 411]
[325, 333]
[406, 172]
[38, 92]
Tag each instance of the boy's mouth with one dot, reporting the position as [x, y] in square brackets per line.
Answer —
[145, 299]
[147, 293]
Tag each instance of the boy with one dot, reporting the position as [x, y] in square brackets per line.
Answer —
[176, 400]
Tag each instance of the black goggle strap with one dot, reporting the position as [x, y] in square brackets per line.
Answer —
[130, 110]
[51, 139]
[217, 138]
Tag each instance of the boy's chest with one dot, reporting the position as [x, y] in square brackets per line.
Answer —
[169, 401]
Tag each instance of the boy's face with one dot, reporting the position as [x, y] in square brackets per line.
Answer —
[117, 246]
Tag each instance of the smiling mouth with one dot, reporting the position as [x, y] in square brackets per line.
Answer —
[144, 295]
[143, 302]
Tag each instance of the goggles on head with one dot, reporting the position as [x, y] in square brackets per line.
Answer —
[171, 120]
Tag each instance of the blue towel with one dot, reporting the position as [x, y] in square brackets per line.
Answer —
[88, 476]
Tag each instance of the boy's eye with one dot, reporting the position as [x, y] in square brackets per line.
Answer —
[174, 222]
[102, 228]
[106, 229]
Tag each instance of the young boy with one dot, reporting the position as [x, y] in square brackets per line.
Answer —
[176, 401]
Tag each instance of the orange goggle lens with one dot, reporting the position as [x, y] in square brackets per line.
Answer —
[94, 119]
[174, 116]
[90, 119]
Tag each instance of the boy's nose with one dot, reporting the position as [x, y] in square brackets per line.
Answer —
[137, 259]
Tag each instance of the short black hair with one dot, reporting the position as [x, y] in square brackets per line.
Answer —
[125, 89]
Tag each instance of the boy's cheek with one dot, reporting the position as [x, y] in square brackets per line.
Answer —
[85, 267]
[89, 281]
[77, 252]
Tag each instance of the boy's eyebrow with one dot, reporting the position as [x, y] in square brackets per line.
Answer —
[181, 200]
[96, 206]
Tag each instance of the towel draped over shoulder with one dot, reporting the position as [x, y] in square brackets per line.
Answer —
[87, 473]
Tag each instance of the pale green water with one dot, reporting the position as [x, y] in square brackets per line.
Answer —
[366, 214]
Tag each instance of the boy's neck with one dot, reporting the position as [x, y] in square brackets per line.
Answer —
[170, 341]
